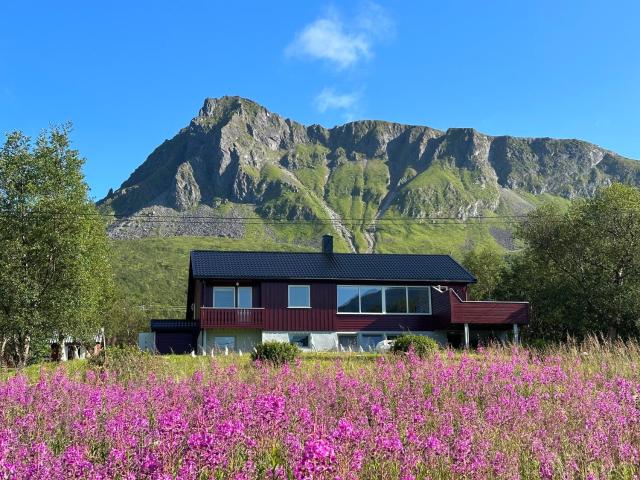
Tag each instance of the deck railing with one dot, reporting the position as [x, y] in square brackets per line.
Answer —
[231, 317]
[487, 312]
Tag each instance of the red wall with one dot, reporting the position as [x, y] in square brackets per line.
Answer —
[323, 316]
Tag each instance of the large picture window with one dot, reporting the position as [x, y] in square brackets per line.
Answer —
[371, 299]
[348, 299]
[391, 300]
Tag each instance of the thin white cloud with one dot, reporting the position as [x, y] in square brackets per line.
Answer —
[343, 45]
[329, 99]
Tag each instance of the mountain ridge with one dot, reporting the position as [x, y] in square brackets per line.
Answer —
[237, 158]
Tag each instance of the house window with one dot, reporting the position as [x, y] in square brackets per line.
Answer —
[419, 299]
[299, 296]
[371, 300]
[224, 297]
[245, 297]
[299, 339]
[395, 299]
[347, 342]
[369, 342]
[232, 297]
[221, 342]
[390, 300]
[348, 299]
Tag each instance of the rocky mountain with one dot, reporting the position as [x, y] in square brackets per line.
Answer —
[237, 167]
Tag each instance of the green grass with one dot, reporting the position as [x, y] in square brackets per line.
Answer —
[355, 190]
[309, 164]
[153, 271]
[414, 237]
[545, 198]
[184, 366]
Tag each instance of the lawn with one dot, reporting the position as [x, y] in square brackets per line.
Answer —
[571, 412]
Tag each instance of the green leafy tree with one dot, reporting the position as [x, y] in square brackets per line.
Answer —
[123, 320]
[487, 265]
[581, 268]
[54, 265]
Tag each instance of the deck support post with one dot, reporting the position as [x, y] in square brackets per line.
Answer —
[466, 335]
[204, 341]
[516, 334]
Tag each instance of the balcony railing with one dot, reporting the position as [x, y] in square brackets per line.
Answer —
[231, 317]
[487, 312]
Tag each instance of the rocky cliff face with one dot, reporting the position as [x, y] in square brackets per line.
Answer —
[236, 152]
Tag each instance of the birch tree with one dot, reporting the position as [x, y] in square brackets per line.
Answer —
[54, 267]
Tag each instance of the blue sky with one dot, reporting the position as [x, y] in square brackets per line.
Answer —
[131, 74]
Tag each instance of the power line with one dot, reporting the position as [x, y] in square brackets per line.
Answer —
[273, 220]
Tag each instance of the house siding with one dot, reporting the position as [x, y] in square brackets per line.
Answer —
[323, 316]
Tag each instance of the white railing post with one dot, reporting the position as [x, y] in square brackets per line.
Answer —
[466, 335]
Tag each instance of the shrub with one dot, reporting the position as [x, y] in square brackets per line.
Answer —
[277, 353]
[419, 344]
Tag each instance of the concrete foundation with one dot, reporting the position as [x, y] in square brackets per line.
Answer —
[233, 339]
[330, 341]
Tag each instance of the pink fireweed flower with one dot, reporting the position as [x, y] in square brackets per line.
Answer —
[318, 457]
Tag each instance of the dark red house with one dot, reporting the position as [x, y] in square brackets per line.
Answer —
[330, 301]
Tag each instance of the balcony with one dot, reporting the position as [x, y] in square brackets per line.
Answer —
[231, 317]
[487, 312]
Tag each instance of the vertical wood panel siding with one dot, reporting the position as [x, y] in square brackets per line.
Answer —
[323, 316]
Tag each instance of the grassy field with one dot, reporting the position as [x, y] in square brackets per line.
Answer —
[570, 412]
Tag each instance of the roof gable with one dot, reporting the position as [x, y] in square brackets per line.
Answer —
[323, 266]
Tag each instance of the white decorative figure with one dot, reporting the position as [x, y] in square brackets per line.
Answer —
[370, 349]
[212, 350]
[239, 352]
[226, 350]
[193, 353]
[360, 349]
[350, 349]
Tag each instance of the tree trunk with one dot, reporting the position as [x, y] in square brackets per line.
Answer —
[3, 345]
[22, 349]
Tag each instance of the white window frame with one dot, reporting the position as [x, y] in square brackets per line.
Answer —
[308, 287]
[250, 296]
[224, 288]
[384, 299]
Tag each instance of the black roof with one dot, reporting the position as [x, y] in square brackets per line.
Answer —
[327, 266]
[173, 324]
